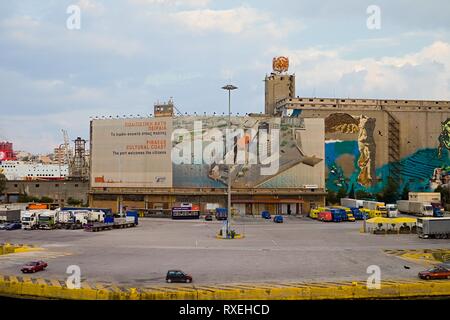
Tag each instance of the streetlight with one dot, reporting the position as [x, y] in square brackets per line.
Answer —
[229, 88]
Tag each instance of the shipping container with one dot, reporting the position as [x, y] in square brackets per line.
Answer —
[9, 216]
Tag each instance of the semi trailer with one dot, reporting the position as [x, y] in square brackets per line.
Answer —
[431, 227]
[9, 216]
[416, 208]
[352, 203]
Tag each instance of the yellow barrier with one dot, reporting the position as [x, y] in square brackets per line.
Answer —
[236, 236]
[55, 289]
[8, 248]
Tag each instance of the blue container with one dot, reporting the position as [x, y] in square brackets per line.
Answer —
[109, 218]
[278, 219]
[337, 215]
[358, 214]
[265, 214]
[135, 214]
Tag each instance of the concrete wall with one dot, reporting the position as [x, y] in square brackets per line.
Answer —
[59, 191]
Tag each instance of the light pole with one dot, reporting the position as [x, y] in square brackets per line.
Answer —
[229, 88]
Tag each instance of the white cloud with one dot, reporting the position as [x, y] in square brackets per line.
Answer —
[421, 75]
[233, 21]
[177, 3]
[20, 22]
[91, 6]
[169, 78]
[33, 33]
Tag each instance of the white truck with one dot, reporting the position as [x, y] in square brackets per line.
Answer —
[29, 219]
[374, 205]
[77, 219]
[352, 203]
[438, 228]
[392, 210]
[416, 208]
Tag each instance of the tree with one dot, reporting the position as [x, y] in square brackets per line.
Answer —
[331, 197]
[390, 191]
[361, 194]
[74, 202]
[351, 193]
[342, 193]
[2, 183]
[24, 198]
[405, 192]
[445, 194]
[46, 200]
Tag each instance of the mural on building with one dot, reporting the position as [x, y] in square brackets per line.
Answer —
[297, 149]
[444, 137]
[350, 152]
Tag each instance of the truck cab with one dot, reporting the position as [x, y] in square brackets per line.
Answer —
[29, 219]
[437, 210]
[427, 210]
[46, 220]
[392, 211]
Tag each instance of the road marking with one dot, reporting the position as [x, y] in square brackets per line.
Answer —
[274, 242]
[196, 243]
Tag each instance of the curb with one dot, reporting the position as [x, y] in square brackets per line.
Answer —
[7, 248]
[237, 236]
[25, 286]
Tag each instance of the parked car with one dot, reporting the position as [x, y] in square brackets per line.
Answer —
[34, 266]
[278, 219]
[178, 276]
[3, 226]
[436, 272]
[208, 217]
[265, 215]
[13, 226]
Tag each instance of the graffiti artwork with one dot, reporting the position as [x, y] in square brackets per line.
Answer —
[444, 137]
[350, 152]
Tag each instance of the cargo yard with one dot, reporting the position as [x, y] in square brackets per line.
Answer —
[300, 249]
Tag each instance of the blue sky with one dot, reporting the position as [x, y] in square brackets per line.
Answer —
[129, 54]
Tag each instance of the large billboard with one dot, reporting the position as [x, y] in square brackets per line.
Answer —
[132, 153]
[291, 155]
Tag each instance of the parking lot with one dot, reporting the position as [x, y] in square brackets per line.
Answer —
[300, 249]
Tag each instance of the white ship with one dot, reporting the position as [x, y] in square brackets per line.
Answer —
[20, 170]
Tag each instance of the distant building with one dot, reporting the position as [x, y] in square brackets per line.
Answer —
[20, 170]
[23, 155]
[59, 155]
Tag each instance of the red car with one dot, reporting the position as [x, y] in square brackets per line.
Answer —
[436, 272]
[325, 216]
[34, 266]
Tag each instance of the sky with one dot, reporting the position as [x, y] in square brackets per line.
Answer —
[128, 54]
